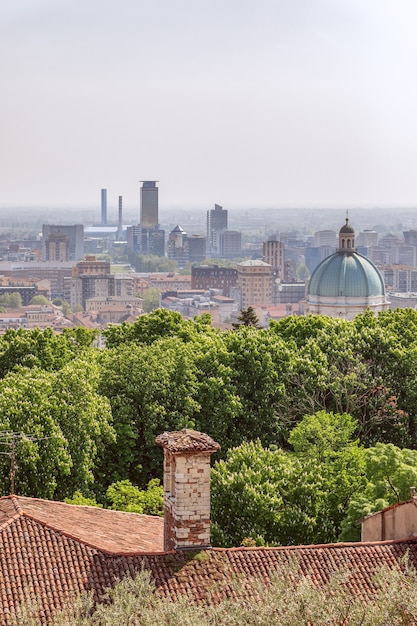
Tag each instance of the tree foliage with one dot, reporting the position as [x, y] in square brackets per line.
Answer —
[124, 496]
[98, 411]
[289, 497]
[247, 317]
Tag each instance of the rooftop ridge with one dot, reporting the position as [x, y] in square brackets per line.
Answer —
[316, 546]
[10, 517]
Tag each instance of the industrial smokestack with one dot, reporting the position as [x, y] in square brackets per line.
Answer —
[104, 207]
[120, 224]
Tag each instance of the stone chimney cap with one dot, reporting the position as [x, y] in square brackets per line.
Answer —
[187, 440]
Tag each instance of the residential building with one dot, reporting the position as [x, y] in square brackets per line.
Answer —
[410, 237]
[178, 246]
[254, 283]
[394, 522]
[273, 253]
[54, 272]
[325, 238]
[151, 241]
[146, 237]
[62, 242]
[367, 239]
[196, 248]
[230, 242]
[213, 277]
[91, 278]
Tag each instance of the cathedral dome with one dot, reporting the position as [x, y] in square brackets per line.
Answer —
[348, 275]
[346, 283]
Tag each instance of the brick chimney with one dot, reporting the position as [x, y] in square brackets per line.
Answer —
[186, 488]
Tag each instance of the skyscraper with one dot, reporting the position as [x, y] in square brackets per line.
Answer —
[149, 204]
[151, 238]
[216, 223]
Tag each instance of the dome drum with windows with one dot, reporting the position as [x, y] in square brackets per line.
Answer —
[346, 283]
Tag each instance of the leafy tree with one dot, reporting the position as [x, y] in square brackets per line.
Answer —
[150, 390]
[257, 362]
[42, 348]
[27, 406]
[151, 263]
[124, 496]
[389, 473]
[302, 272]
[146, 329]
[283, 497]
[63, 304]
[81, 500]
[85, 420]
[292, 598]
[64, 424]
[39, 299]
[150, 299]
[11, 300]
[247, 317]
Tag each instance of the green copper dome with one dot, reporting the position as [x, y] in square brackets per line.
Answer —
[346, 274]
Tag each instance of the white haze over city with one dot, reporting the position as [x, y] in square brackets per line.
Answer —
[247, 103]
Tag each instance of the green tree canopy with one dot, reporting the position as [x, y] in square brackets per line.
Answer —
[39, 299]
[282, 497]
[150, 299]
[247, 317]
[63, 425]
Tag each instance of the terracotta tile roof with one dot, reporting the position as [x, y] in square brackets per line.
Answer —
[187, 440]
[100, 528]
[50, 565]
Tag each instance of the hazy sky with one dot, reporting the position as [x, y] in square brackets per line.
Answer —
[246, 103]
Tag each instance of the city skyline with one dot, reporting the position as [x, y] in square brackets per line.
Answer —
[248, 104]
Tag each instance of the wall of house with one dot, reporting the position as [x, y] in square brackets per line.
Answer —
[397, 522]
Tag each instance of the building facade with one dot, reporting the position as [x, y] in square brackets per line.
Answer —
[230, 244]
[208, 277]
[149, 217]
[62, 242]
[216, 224]
[254, 283]
[91, 278]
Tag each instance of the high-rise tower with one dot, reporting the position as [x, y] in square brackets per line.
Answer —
[149, 204]
[216, 223]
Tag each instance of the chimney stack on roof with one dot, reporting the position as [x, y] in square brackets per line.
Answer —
[186, 489]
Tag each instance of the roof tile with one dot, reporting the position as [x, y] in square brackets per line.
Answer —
[43, 556]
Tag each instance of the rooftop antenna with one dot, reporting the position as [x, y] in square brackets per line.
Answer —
[9, 438]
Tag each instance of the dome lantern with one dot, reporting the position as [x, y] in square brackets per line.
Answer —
[346, 238]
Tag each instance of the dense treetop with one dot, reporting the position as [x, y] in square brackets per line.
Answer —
[94, 414]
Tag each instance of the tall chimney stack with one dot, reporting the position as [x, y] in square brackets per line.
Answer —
[186, 489]
[104, 207]
[120, 222]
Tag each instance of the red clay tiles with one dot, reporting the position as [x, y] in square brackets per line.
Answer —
[49, 553]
